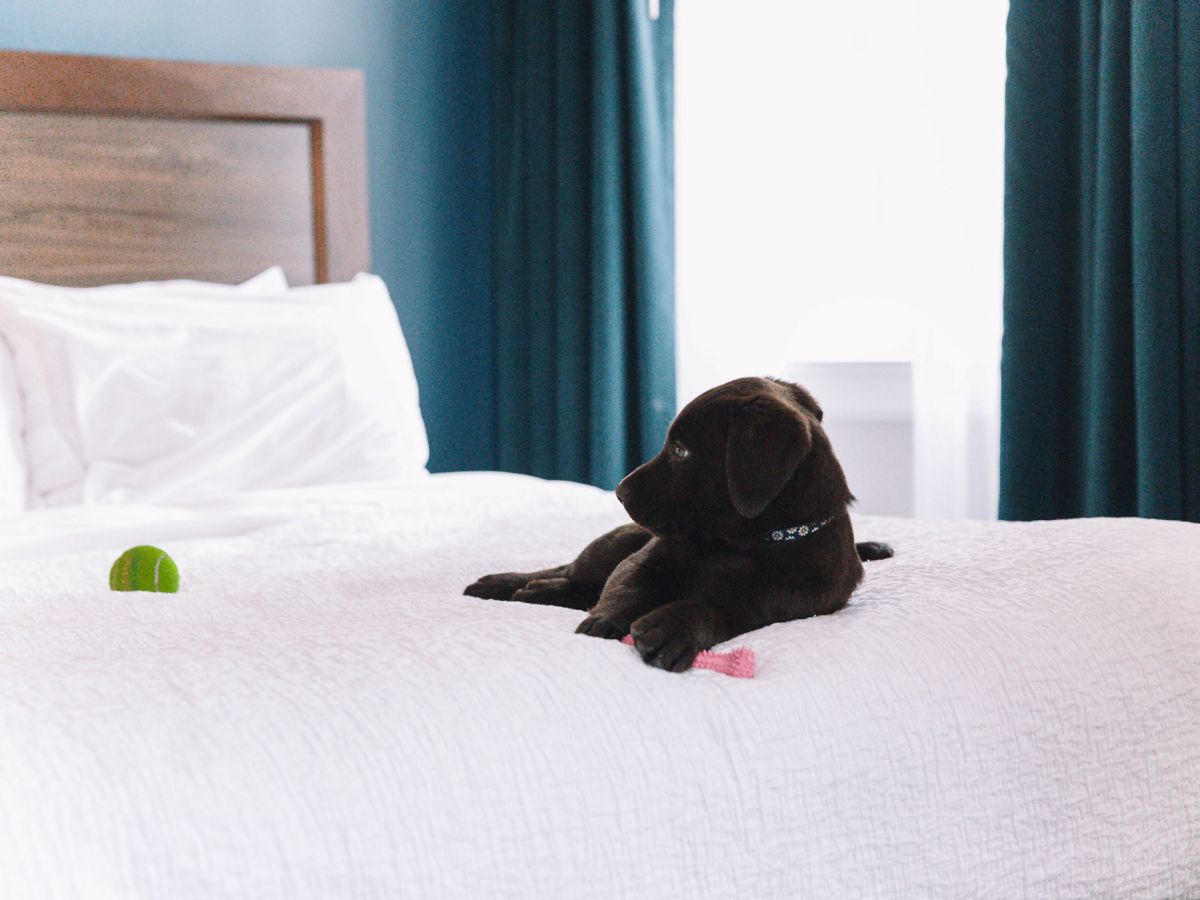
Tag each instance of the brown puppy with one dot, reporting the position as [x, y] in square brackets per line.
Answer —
[741, 522]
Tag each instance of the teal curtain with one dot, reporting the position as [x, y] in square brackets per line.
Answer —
[583, 235]
[1101, 355]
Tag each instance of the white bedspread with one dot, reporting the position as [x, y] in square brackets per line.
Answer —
[1003, 710]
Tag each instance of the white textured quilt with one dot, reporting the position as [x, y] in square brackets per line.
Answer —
[1003, 710]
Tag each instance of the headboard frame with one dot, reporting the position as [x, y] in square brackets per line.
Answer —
[118, 170]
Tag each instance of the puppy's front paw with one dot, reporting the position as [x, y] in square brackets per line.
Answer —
[500, 586]
[555, 592]
[665, 642]
[594, 626]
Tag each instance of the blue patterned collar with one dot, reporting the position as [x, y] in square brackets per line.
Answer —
[795, 532]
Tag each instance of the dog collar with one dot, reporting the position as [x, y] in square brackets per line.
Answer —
[795, 532]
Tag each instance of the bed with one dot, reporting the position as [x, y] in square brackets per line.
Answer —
[1003, 709]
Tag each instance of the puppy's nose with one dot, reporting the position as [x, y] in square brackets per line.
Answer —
[623, 490]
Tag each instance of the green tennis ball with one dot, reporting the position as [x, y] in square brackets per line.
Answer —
[144, 569]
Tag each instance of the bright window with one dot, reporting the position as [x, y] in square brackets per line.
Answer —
[839, 201]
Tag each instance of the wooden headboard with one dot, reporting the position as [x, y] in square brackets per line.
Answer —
[115, 170]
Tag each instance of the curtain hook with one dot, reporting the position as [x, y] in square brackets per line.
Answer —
[652, 7]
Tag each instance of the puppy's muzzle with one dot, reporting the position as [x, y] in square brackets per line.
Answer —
[625, 494]
[622, 491]
[634, 501]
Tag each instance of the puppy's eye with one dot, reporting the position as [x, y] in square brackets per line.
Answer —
[678, 451]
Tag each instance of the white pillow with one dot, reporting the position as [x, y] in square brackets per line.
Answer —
[268, 281]
[168, 398]
[14, 474]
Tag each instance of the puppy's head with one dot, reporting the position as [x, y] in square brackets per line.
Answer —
[734, 453]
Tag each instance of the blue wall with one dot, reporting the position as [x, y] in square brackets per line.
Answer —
[428, 77]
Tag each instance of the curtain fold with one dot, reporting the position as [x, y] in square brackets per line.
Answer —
[583, 236]
[1100, 373]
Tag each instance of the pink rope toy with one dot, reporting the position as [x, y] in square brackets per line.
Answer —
[737, 663]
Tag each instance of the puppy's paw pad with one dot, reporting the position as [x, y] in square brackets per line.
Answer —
[595, 626]
[500, 586]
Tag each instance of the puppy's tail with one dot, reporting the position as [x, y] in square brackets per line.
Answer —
[869, 551]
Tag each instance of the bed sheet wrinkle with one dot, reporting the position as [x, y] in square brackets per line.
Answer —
[319, 712]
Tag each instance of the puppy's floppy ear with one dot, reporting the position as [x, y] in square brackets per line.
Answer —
[802, 396]
[767, 439]
[807, 399]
